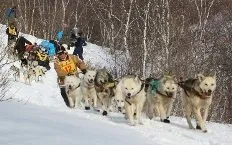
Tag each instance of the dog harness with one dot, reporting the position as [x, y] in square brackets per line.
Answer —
[12, 31]
[42, 56]
[198, 94]
[158, 92]
[187, 89]
[73, 88]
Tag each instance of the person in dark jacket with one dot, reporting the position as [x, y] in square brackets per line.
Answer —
[11, 14]
[80, 42]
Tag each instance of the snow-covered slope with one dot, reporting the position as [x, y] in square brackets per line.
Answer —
[38, 116]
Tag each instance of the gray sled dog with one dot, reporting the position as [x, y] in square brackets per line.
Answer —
[28, 75]
[197, 95]
[16, 72]
[73, 90]
[131, 89]
[160, 97]
[88, 89]
[105, 86]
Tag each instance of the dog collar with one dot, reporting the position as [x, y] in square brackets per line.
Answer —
[198, 94]
[157, 91]
[142, 86]
[201, 95]
[74, 88]
[127, 101]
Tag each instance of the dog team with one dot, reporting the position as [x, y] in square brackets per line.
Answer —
[30, 71]
[97, 90]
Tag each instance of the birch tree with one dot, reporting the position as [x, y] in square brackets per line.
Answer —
[64, 8]
[144, 18]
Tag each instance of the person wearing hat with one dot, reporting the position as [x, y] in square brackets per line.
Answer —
[80, 42]
[12, 32]
[67, 64]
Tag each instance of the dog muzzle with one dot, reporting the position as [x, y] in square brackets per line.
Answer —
[120, 109]
[91, 81]
[169, 94]
[128, 96]
[208, 93]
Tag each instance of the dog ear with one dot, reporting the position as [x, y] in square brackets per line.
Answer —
[116, 82]
[214, 75]
[200, 77]
[137, 78]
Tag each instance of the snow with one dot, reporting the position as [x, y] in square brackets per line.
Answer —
[37, 115]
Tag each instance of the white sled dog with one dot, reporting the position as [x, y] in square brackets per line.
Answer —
[88, 89]
[29, 74]
[73, 90]
[39, 72]
[160, 97]
[131, 89]
[197, 95]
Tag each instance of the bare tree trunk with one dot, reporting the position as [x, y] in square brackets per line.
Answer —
[32, 19]
[165, 28]
[145, 21]
[127, 25]
[203, 14]
[64, 6]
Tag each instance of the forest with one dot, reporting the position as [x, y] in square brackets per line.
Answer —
[181, 37]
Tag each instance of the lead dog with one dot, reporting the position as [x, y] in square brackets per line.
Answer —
[197, 95]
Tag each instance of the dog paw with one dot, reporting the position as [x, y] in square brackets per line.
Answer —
[166, 121]
[96, 109]
[191, 127]
[140, 123]
[87, 108]
[132, 124]
[198, 127]
[104, 113]
[205, 130]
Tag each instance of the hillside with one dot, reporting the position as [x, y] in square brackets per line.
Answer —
[37, 115]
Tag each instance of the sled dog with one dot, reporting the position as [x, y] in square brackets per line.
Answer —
[88, 89]
[104, 85]
[28, 75]
[197, 96]
[73, 90]
[131, 89]
[16, 72]
[39, 72]
[160, 97]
